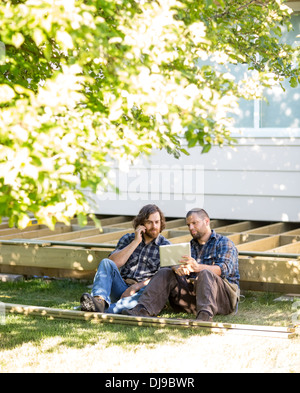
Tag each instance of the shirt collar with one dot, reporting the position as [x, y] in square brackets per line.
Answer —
[159, 239]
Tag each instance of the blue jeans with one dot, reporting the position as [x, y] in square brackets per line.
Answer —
[109, 284]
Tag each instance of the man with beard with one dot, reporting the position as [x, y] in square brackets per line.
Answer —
[205, 284]
[121, 278]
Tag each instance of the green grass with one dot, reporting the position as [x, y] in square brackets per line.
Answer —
[39, 343]
[255, 308]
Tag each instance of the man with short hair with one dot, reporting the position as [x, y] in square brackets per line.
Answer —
[205, 284]
[121, 278]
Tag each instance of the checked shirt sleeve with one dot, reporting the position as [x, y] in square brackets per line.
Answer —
[227, 260]
[124, 242]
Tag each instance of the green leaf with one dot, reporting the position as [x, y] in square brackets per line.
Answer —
[206, 148]
[294, 82]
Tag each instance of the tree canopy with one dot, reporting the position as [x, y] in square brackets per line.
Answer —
[84, 83]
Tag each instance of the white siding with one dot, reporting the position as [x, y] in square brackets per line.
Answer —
[258, 180]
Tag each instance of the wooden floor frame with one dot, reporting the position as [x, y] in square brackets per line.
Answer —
[79, 250]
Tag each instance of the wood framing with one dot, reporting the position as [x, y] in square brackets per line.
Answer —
[29, 251]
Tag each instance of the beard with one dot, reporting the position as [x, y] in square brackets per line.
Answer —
[197, 235]
[153, 233]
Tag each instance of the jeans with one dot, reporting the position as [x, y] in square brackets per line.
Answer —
[109, 284]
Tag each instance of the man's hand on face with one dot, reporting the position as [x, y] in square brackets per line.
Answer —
[139, 233]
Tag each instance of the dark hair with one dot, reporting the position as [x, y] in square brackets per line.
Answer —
[201, 213]
[144, 214]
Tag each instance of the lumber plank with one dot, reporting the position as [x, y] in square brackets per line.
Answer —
[72, 235]
[39, 271]
[288, 248]
[238, 227]
[105, 237]
[223, 328]
[114, 220]
[272, 229]
[278, 271]
[37, 233]
[50, 257]
[245, 237]
[267, 243]
[12, 231]
[226, 326]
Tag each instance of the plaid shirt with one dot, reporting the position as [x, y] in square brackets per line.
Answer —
[144, 262]
[221, 251]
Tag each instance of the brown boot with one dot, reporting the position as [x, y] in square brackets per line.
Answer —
[92, 304]
[137, 311]
[204, 316]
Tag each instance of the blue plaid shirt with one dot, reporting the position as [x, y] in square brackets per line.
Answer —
[144, 262]
[221, 251]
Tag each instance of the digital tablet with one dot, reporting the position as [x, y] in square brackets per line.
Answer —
[171, 254]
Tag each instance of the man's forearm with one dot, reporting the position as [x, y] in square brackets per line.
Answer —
[122, 256]
[213, 268]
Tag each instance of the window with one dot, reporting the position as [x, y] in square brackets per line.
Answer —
[282, 109]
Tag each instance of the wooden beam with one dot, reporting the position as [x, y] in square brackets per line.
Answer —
[49, 257]
[242, 238]
[12, 231]
[105, 237]
[114, 220]
[273, 229]
[237, 227]
[278, 271]
[267, 243]
[223, 328]
[59, 231]
[39, 271]
[288, 248]
[71, 235]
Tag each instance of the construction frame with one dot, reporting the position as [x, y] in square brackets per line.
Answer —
[269, 252]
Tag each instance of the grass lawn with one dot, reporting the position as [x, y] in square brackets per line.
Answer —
[37, 344]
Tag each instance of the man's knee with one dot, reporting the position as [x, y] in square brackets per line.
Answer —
[205, 273]
[107, 261]
[106, 264]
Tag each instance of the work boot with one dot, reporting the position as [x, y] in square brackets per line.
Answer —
[137, 311]
[92, 304]
[204, 316]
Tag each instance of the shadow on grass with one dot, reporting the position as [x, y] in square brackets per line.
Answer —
[20, 329]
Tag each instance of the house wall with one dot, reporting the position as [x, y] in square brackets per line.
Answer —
[257, 180]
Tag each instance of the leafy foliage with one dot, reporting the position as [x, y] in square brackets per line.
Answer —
[84, 83]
